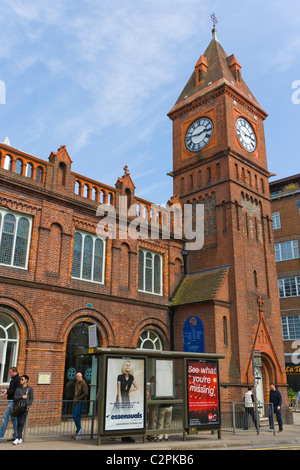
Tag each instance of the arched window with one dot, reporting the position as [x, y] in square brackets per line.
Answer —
[150, 272]
[29, 169]
[98, 260]
[149, 339]
[7, 162]
[88, 257]
[18, 168]
[21, 242]
[9, 342]
[255, 278]
[77, 188]
[7, 238]
[225, 334]
[76, 271]
[39, 173]
[14, 239]
[62, 174]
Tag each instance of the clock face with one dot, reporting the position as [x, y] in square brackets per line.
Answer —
[199, 134]
[245, 134]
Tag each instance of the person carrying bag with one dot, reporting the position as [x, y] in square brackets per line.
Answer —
[23, 399]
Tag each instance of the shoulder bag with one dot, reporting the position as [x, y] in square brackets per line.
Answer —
[19, 407]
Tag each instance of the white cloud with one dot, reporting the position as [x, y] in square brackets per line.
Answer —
[119, 54]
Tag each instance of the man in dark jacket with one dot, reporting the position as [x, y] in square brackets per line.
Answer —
[276, 400]
[25, 393]
[9, 393]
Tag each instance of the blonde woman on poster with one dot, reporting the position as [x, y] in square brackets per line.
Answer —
[125, 388]
[126, 384]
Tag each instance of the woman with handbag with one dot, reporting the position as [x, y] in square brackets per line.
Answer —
[23, 398]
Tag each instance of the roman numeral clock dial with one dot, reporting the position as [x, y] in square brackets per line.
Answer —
[199, 134]
[245, 134]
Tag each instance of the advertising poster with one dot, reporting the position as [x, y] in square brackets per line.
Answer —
[203, 393]
[125, 394]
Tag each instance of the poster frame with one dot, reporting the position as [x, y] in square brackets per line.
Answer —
[105, 390]
[213, 425]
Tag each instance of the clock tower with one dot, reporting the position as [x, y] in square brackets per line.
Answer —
[219, 160]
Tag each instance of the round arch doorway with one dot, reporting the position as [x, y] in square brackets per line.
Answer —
[78, 340]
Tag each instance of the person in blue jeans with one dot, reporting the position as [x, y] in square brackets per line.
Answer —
[80, 397]
[9, 393]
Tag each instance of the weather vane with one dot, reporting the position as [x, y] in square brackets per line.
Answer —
[213, 19]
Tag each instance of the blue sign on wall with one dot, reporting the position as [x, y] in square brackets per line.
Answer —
[193, 335]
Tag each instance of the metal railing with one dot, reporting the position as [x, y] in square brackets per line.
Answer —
[54, 418]
[236, 418]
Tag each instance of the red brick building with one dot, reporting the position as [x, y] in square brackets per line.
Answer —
[219, 157]
[285, 198]
[58, 275]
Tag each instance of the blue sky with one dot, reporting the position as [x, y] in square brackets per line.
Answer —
[100, 76]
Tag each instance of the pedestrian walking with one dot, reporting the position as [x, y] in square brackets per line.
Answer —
[9, 393]
[80, 397]
[23, 392]
[276, 400]
[249, 408]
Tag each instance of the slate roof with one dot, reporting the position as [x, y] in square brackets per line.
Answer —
[217, 74]
[199, 287]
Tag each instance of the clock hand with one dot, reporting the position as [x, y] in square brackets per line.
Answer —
[245, 133]
[196, 135]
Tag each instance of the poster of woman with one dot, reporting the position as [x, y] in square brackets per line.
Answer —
[125, 394]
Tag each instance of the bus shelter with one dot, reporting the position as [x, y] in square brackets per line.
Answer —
[136, 387]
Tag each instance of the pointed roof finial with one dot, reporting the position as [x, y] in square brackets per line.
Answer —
[6, 141]
[215, 21]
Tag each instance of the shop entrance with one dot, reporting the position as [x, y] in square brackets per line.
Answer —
[78, 340]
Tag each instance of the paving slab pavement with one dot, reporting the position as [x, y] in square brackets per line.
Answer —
[202, 441]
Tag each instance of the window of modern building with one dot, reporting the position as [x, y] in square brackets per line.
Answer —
[276, 220]
[291, 327]
[88, 257]
[289, 287]
[15, 230]
[150, 272]
[9, 344]
[286, 250]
